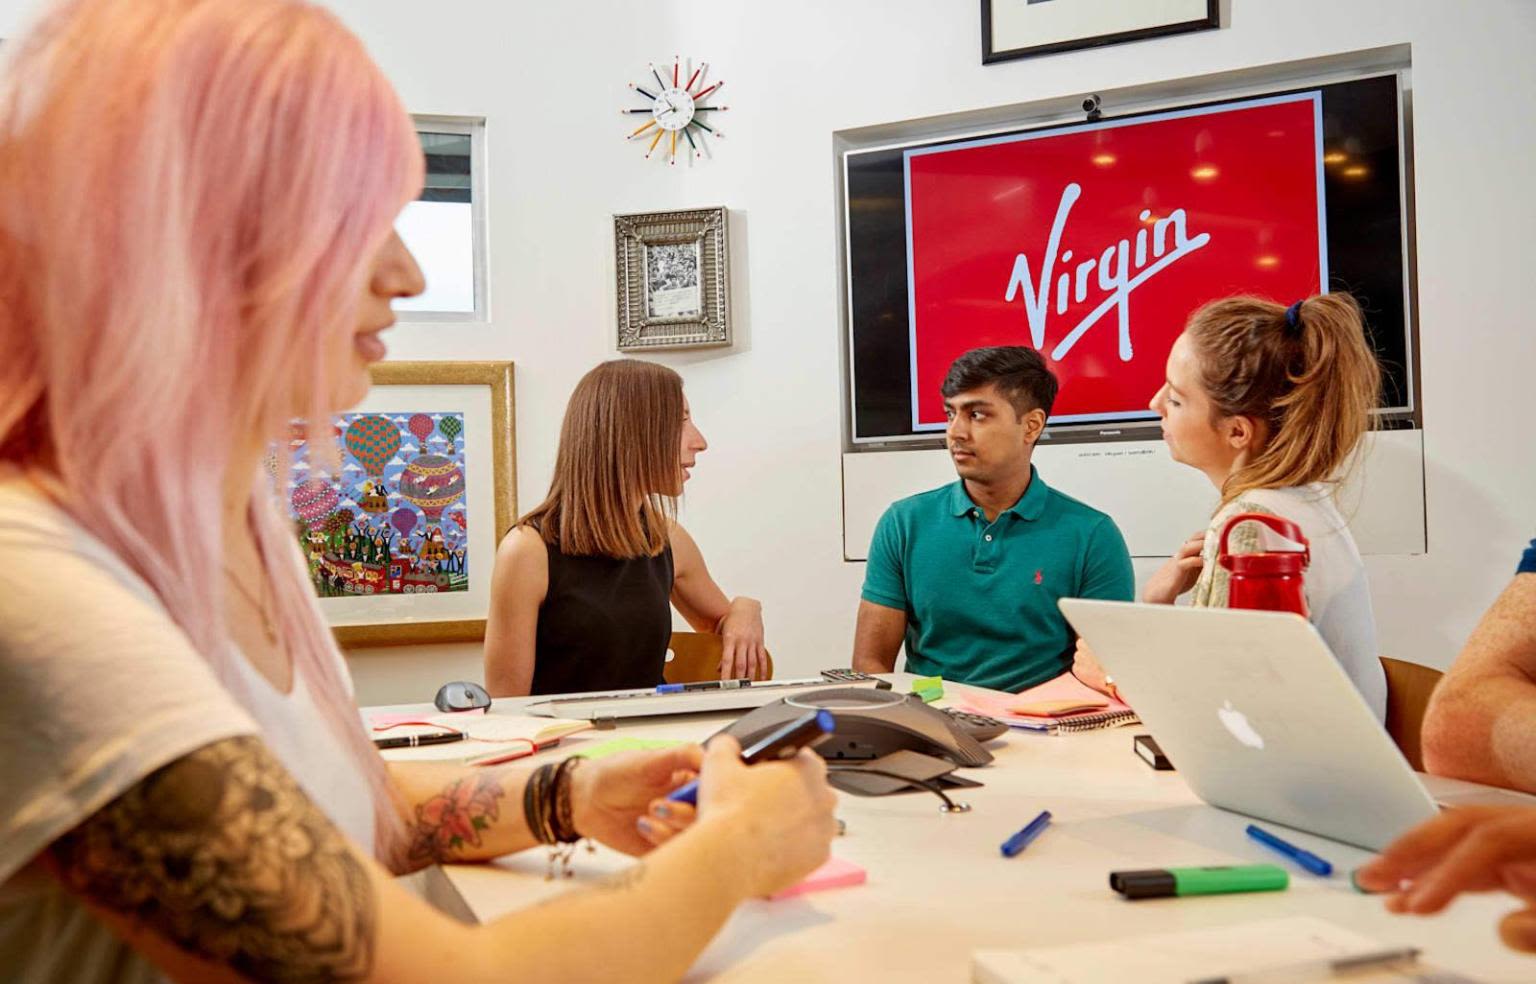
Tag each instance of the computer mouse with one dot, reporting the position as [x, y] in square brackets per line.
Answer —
[461, 695]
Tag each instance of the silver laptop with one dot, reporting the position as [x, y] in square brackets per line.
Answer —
[1258, 717]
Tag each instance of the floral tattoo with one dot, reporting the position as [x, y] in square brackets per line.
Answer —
[455, 818]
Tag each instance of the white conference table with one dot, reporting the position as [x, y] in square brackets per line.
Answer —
[939, 889]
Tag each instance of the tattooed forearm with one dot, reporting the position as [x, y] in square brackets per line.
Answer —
[224, 855]
[453, 819]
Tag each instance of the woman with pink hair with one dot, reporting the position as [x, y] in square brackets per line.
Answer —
[196, 246]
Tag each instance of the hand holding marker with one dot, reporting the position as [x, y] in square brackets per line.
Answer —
[803, 732]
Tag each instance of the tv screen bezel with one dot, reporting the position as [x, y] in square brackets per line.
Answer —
[1405, 414]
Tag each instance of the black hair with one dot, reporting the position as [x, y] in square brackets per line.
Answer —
[1019, 372]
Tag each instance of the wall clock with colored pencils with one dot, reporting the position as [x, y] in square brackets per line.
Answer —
[680, 118]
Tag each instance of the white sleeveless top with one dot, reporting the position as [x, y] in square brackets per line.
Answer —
[296, 732]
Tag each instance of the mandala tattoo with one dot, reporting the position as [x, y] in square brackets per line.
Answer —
[224, 855]
[454, 818]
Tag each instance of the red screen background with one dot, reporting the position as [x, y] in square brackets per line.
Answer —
[1247, 177]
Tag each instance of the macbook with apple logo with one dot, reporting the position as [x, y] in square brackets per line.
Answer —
[1258, 717]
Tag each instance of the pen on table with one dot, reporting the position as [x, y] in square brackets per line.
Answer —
[1019, 841]
[1311, 970]
[677, 688]
[1306, 859]
[806, 731]
[411, 741]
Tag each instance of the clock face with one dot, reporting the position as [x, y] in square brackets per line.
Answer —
[673, 109]
[681, 112]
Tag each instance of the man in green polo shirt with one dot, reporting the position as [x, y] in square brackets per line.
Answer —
[968, 575]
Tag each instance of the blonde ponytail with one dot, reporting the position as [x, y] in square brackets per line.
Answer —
[1307, 372]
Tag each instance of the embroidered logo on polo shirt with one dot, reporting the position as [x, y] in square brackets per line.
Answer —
[1039, 577]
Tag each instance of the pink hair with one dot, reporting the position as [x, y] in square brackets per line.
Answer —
[191, 195]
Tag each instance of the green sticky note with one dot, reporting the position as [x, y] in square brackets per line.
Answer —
[614, 746]
[929, 689]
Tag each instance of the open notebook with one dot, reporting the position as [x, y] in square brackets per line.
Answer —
[489, 738]
[1061, 705]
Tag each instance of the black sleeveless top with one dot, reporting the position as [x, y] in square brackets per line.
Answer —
[604, 623]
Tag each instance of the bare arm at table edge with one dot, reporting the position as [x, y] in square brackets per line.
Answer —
[1481, 721]
[218, 867]
[877, 637]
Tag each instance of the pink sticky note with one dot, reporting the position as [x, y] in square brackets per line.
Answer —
[836, 873]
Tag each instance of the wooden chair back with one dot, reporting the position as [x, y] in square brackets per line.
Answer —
[696, 657]
[1408, 688]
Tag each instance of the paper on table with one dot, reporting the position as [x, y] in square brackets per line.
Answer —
[1175, 958]
[491, 738]
[1063, 688]
[509, 727]
[613, 746]
[482, 727]
[381, 720]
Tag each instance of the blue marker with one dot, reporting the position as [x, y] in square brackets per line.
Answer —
[1306, 859]
[1019, 841]
[807, 731]
[678, 688]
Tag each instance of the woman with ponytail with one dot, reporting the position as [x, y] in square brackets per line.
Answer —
[1271, 403]
[197, 201]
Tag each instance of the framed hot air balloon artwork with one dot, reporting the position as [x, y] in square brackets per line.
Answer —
[401, 532]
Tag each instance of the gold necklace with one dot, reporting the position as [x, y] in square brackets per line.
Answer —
[268, 627]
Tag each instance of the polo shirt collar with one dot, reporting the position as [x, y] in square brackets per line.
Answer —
[1029, 507]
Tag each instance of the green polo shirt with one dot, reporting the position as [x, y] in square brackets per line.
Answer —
[980, 598]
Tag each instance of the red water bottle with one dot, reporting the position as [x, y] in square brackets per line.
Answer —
[1270, 580]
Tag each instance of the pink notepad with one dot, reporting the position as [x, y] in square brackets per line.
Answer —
[1103, 710]
[836, 873]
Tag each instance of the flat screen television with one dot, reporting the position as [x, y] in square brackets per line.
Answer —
[1093, 242]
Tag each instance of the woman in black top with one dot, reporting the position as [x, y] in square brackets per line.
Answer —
[580, 595]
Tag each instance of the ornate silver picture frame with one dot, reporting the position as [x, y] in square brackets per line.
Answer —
[674, 279]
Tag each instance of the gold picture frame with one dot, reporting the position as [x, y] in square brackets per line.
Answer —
[401, 543]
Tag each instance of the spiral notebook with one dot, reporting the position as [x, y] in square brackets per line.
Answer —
[1050, 707]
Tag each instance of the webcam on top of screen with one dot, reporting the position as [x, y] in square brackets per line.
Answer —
[1091, 107]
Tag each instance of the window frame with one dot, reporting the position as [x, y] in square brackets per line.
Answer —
[474, 128]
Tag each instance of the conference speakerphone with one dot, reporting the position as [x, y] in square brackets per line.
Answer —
[648, 703]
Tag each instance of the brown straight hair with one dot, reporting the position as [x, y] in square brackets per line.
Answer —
[1311, 378]
[620, 458]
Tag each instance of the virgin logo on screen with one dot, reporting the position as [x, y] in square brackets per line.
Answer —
[1094, 243]
[1114, 275]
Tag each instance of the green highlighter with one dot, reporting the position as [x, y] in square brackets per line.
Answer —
[1157, 883]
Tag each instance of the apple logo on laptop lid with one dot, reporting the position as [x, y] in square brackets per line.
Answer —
[1236, 722]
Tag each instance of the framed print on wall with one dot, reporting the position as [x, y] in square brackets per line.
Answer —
[1025, 28]
[401, 542]
[673, 271]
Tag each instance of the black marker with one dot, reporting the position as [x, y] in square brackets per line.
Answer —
[804, 732]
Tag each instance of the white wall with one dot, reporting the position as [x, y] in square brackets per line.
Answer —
[765, 501]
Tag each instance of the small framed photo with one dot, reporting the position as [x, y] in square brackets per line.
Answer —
[1025, 28]
[399, 524]
[673, 271]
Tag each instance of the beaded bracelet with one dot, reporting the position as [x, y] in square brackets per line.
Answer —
[548, 811]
